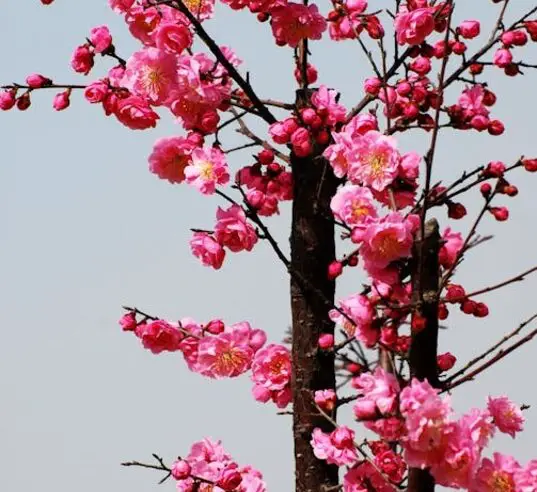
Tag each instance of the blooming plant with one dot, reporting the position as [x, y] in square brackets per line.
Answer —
[347, 173]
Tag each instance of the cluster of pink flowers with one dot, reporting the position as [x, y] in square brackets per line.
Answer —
[349, 20]
[217, 351]
[267, 183]
[313, 124]
[337, 448]
[209, 468]
[452, 449]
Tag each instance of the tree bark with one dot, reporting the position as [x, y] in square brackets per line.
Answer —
[312, 250]
[424, 346]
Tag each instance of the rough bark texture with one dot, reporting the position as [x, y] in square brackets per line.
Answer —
[423, 349]
[312, 249]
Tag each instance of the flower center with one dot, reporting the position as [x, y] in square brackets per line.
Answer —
[387, 246]
[194, 5]
[227, 361]
[359, 210]
[206, 170]
[153, 79]
[377, 163]
[501, 482]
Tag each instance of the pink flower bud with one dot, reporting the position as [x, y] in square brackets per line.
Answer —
[508, 38]
[335, 269]
[82, 61]
[501, 214]
[61, 100]
[365, 409]
[372, 86]
[496, 127]
[481, 310]
[24, 102]
[46, 2]
[445, 361]
[100, 38]
[266, 156]
[326, 341]
[485, 189]
[421, 65]
[468, 306]
[230, 478]
[456, 211]
[418, 323]
[469, 29]
[354, 368]
[96, 92]
[128, 322]
[403, 89]
[530, 165]
[502, 58]
[455, 293]
[181, 470]
[215, 326]
[36, 81]
[290, 125]
[495, 169]
[308, 115]
[458, 47]
[7, 100]
[326, 399]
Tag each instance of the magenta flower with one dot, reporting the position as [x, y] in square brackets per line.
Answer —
[169, 158]
[293, 22]
[207, 169]
[507, 416]
[224, 356]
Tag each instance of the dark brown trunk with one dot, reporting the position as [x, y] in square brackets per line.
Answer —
[312, 250]
[423, 349]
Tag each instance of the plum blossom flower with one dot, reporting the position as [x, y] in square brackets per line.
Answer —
[359, 309]
[387, 240]
[151, 73]
[426, 419]
[207, 169]
[451, 248]
[497, 474]
[292, 22]
[507, 416]
[325, 101]
[100, 38]
[207, 249]
[233, 231]
[159, 336]
[271, 374]
[224, 355]
[336, 448]
[135, 113]
[169, 158]
[365, 477]
[378, 392]
[173, 37]
[413, 27]
[353, 204]
[374, 160]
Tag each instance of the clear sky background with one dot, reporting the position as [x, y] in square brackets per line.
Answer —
[85, 228]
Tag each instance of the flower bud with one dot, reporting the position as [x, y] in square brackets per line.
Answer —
[326, 341]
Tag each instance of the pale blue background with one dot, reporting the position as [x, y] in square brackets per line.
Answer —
[86, 228]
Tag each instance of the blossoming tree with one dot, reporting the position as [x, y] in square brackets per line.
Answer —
[347, 176]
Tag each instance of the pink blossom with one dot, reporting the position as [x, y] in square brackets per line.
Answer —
[469, 29]
[271, 374]
[224, 355]
[151, 73]
[173, 37]
[121, 6]
[391, 464]
[472, 102]
[451, 248]
[169, 158]
[37, 81]
[507, 416]
[142, 22]
[181, 469]
[353, 204]
[128, 322]
[325, 399]
[338, 153]
[207, 169]
[413, 27]
[426, 419]
[233, 231]
[526, 477]
[387, 240]
[96, 92]
[336, 448]
[361, 124]
[135, 113]
[496, 475]
[82, 61]
[207, 249]
[61, 100]
[381, 388]
[159, 336]
[293, 22]
[189, 344]
[358, 308]
[324, 100]
[374, 160]
[100, 38]
[502, 58]
[7, 100]
[365, 478]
